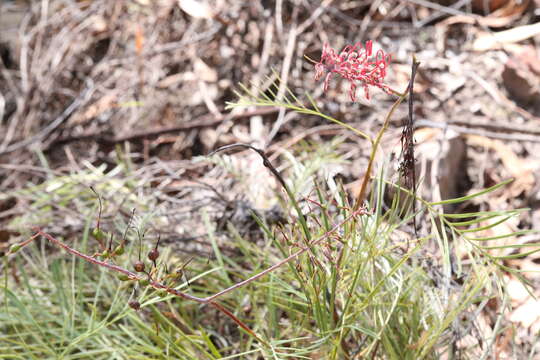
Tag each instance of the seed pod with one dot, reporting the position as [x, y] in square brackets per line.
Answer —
[99, 234]
[119, 250]
[14, 248]
[105, 254]
[139, 266]
[144, 282]
[123, 277]
[135, 305]
[162, 293]
[153, 254]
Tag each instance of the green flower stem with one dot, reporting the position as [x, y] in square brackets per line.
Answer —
[374, 148]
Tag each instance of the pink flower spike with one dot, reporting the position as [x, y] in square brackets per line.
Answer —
[354, 63]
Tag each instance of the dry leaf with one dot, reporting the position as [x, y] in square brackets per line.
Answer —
[520, 170]
[99, 24]
[512, 9]
[516, 290]
[95, 109]
[175, 79]
[479, 5]
[528, 315]
[196, 9]
[486, 41]
[500, 18]
[204, 72]
[520, 80]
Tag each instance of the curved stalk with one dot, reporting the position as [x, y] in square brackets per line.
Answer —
[374, 148]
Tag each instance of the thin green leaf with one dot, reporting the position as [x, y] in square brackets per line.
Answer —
[486, 227]
[472, 196]
[504, 236]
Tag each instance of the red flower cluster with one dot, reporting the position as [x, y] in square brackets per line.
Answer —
[355, 64]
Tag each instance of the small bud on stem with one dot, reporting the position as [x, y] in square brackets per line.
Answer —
[119, 250]
[139, 266]
[153, 254]
[14, 248]
[135, 305]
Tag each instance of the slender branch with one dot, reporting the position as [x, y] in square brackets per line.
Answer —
[237, 321]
